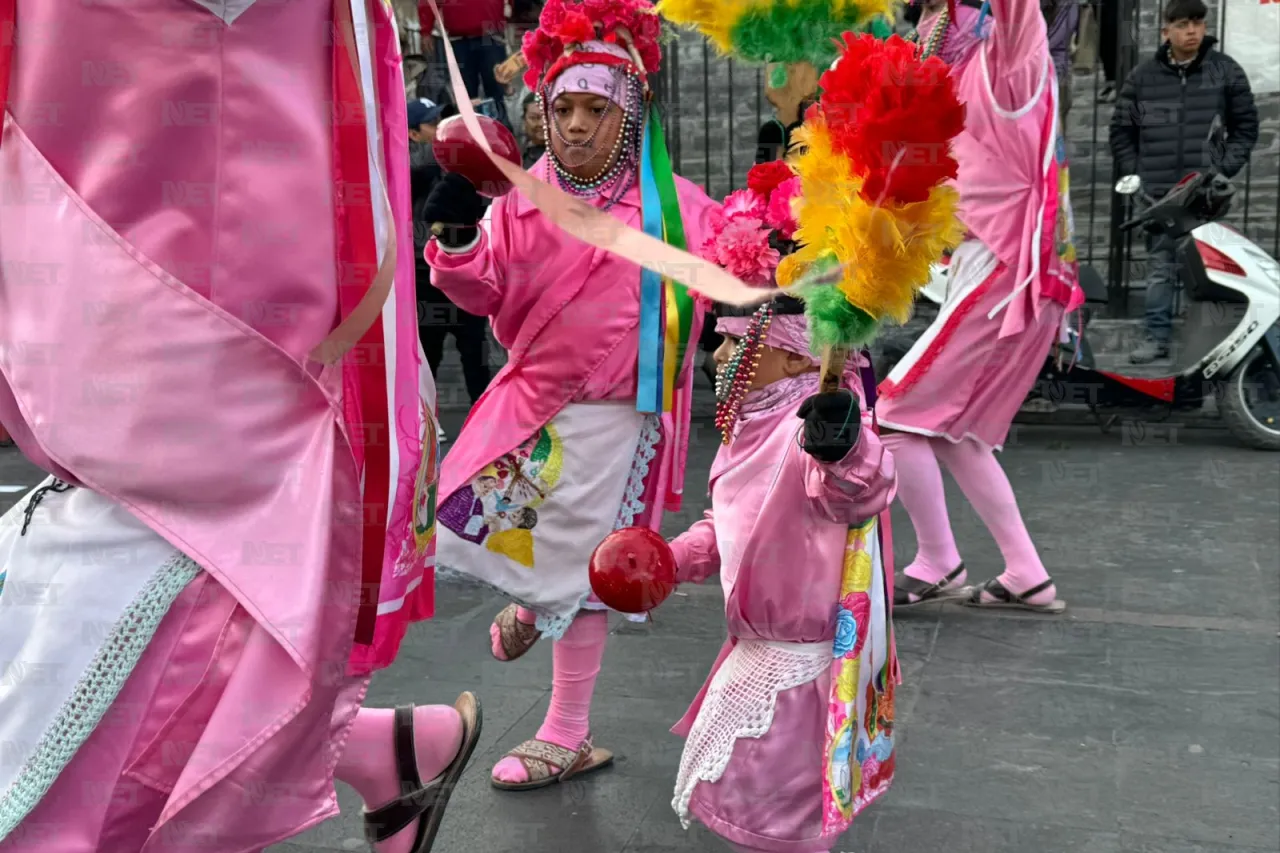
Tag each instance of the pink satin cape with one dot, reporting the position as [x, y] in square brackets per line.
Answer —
[568, 314]
[1007, 179]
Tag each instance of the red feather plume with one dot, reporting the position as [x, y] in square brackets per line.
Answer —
[566, 23]
[893, 116]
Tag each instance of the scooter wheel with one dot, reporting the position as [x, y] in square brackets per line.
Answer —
[1249, 400]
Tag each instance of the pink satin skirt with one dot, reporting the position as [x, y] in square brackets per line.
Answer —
[114, 792]
[962, 380]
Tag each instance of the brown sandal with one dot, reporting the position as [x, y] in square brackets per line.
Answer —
[516, 637]
[423, 803]
[538, 757]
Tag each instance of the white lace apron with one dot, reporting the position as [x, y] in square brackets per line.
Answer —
[740, 703]
[85, 589]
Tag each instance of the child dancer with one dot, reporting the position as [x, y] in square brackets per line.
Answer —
[561, 449]
[793, 733]
[954, 395]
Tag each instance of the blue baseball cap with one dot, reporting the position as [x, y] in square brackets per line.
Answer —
[421, 113]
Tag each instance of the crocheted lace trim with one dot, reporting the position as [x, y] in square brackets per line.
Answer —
[96, 690]
[646, 451]
[740, 703]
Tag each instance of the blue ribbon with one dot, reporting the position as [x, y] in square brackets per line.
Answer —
[982, 18]
[649, 393]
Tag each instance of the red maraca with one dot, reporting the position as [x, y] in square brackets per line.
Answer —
[457, 151]
[633, 570]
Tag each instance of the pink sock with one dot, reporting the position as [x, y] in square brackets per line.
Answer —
[576, 658]
[368, 762]
[528, 617]
[920, 490]
[987, 488]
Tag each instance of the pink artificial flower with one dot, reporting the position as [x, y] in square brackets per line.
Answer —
[742, 248]
[780, 215]
[744, 203]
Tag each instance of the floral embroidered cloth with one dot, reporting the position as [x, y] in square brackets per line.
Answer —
[526, 525]
[859, 752]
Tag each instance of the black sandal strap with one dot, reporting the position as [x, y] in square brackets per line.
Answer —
[383, 823]
[1001, 593]
[415, 799]
[922, 590]
[406, 751]
[1035, 590]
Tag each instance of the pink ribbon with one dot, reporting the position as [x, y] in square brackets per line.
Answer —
[597, 228]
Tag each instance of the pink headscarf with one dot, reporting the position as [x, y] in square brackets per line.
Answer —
[788, 332]
[592, 78]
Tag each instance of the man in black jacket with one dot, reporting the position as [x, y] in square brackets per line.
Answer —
[1160, 131]
[437, 316]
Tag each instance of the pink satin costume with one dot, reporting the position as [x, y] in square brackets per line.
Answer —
[776, 533]
[967, 376]
[568, 315]
[953, 397]
[169, 263]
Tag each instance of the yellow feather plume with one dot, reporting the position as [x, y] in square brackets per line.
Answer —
[713, 18]
[886, 252]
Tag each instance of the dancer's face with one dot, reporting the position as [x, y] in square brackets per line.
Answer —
[586, 133]
[775, 364]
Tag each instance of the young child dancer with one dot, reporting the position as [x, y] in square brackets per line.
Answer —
[573, 438]
[954, 395]
[228, 568]
[792, 735]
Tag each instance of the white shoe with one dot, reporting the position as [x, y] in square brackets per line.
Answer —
[440, 434]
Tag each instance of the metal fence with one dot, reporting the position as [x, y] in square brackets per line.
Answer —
[715, 108]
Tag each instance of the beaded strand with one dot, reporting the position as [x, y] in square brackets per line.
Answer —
[939, 35]
[733, 381]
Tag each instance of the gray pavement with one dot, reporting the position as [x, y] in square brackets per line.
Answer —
[1145, 720]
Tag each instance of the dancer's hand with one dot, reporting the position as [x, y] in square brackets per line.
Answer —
[831, 425]
[455, 205]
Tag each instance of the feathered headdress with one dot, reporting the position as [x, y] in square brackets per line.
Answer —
[566, 25]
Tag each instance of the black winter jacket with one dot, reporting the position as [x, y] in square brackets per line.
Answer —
[424, 171]
[1164, 114]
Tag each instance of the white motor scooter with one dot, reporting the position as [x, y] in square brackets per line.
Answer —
[1229, 343]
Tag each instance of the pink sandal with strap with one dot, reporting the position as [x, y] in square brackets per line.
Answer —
[516, 637]
[539, 757]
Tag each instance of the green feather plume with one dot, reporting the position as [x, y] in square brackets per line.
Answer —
[806, 31]
[833, 322]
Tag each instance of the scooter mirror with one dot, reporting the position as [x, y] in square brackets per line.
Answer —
[1129, 185]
